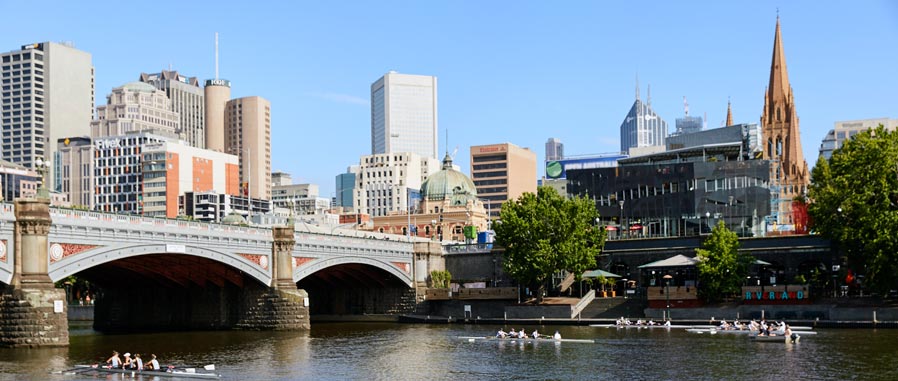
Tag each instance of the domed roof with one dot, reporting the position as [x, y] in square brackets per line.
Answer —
[449, 183]
[139, 86]
[233, 219]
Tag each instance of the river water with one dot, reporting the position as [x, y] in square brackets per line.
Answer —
[386, 351]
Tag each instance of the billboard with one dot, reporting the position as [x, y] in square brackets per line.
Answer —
[557, 169]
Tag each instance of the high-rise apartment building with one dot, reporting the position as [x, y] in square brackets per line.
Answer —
[345, 187]
[642, 131]
[502, 172]
[187, 99]
[136, 107]
[386, 183]
[171, 169]
[47, 94]
[248, 136]
[217, 92]
[404, 114]
[75, 160]
[554, 150]
[844, 130]
[779, 125]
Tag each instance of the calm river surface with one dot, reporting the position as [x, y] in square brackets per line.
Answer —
[381, 351]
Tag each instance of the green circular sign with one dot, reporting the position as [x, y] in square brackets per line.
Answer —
[554, 169]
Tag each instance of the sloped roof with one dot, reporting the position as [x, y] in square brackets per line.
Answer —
[675, 261]
[598, 273]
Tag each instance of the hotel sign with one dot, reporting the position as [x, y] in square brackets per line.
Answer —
[218, 82]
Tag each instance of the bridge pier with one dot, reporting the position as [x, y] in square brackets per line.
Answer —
[428, 257]
[33, 312]
[282, 307]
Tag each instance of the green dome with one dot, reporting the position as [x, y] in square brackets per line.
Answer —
[233, 219]
[449, 183]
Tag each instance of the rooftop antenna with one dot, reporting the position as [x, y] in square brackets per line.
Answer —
[648, 100]
[686, 105]
[637, 86]
[216, 55]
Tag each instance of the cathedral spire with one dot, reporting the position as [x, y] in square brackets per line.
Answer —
[778, 90]
[729, 113]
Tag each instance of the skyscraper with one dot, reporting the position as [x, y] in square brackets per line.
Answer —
[404, 114]
[136, 107]
[779, 124]
[187, 100]
[48, 94]
[554, 149]
[502, 172]
[248, 136]
[216, 95]
[642, 129]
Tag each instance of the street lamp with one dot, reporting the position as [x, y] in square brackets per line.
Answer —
[667, 279]
[621, 221]
[42, 167]
[707, 220]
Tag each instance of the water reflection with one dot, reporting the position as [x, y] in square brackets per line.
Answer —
[412, 352]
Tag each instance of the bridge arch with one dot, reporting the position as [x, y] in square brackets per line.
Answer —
[99, 256]
[321, 264]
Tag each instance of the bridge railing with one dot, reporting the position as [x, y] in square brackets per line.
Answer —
[155, 222]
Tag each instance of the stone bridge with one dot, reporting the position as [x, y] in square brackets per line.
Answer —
[172, 274]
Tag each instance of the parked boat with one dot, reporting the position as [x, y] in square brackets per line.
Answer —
[179, 373]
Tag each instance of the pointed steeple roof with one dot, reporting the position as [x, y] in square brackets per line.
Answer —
[779, 88]
[729, 114]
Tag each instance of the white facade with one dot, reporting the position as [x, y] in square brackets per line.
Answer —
[76, 164]
[187, 99]
[404, 114]
[384, 180]
[47, 95]
[304, 198]
[136, 107]
[844, 130]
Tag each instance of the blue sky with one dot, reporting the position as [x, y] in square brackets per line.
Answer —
[509, 71]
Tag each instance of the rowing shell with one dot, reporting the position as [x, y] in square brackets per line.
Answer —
[528, 340]
[153, 373]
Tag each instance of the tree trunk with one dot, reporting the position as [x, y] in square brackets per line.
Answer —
[539, 293]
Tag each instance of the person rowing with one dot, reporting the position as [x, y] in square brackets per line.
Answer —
[137, 363]
[126, 364]
[557, 336]
[153, 364]
[501, 334]
[535, 334]
[114, 361]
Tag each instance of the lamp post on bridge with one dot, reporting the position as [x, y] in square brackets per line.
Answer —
[42, 167]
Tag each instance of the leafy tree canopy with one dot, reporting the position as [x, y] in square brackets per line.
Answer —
[721, 268]
[544, 233]
[854, 202]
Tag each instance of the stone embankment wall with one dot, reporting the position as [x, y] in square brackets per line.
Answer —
[28, 319]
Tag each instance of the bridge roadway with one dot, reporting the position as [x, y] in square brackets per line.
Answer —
[80, 240]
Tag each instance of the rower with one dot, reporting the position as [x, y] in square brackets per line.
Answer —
[557, 336]
[535, 334]
[513, 334]
[126, 364]
[501, 334]
[154, 364]
[114, 361]
[137, 363]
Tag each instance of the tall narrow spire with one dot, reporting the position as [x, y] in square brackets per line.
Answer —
[778, 90]
[637, 86]
[729, 113]
[648, 99]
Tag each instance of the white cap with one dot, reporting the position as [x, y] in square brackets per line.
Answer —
[127, 354]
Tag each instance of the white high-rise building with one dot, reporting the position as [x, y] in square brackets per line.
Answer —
[387, 182]
[47, 94]
[554, 150]
[136, 107]
[404, 114]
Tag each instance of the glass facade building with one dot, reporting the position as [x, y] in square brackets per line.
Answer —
[642, 128]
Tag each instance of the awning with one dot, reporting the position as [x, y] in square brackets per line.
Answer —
[610, 227]
[599, 273]
[760, 262]
[636, 227]
[675, 261]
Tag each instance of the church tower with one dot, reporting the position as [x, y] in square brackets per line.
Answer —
[789, 175]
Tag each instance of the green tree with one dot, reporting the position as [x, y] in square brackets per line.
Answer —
[544, 233]
[854, 202]
[721, 268]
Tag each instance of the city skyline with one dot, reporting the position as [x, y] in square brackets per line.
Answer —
[517, 74]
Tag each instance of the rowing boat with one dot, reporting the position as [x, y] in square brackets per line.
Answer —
[527, 340]
[179, 373]
[775, 339]
[634, 326]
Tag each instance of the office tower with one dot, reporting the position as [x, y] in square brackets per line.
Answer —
[642, 131]
[77, 180]
[779, 125]
[136, 107]
[345, 187]
[187, 100]
[404, 114]
[844, 130]
[502, 172]
[118, 173]
[216, 95]
[171, 169]
[554, 150]
[48, 94]
[248, 136]
[386, 182]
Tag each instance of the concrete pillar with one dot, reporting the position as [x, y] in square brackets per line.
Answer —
[428, 257]
[282, 258]
[33, 312]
